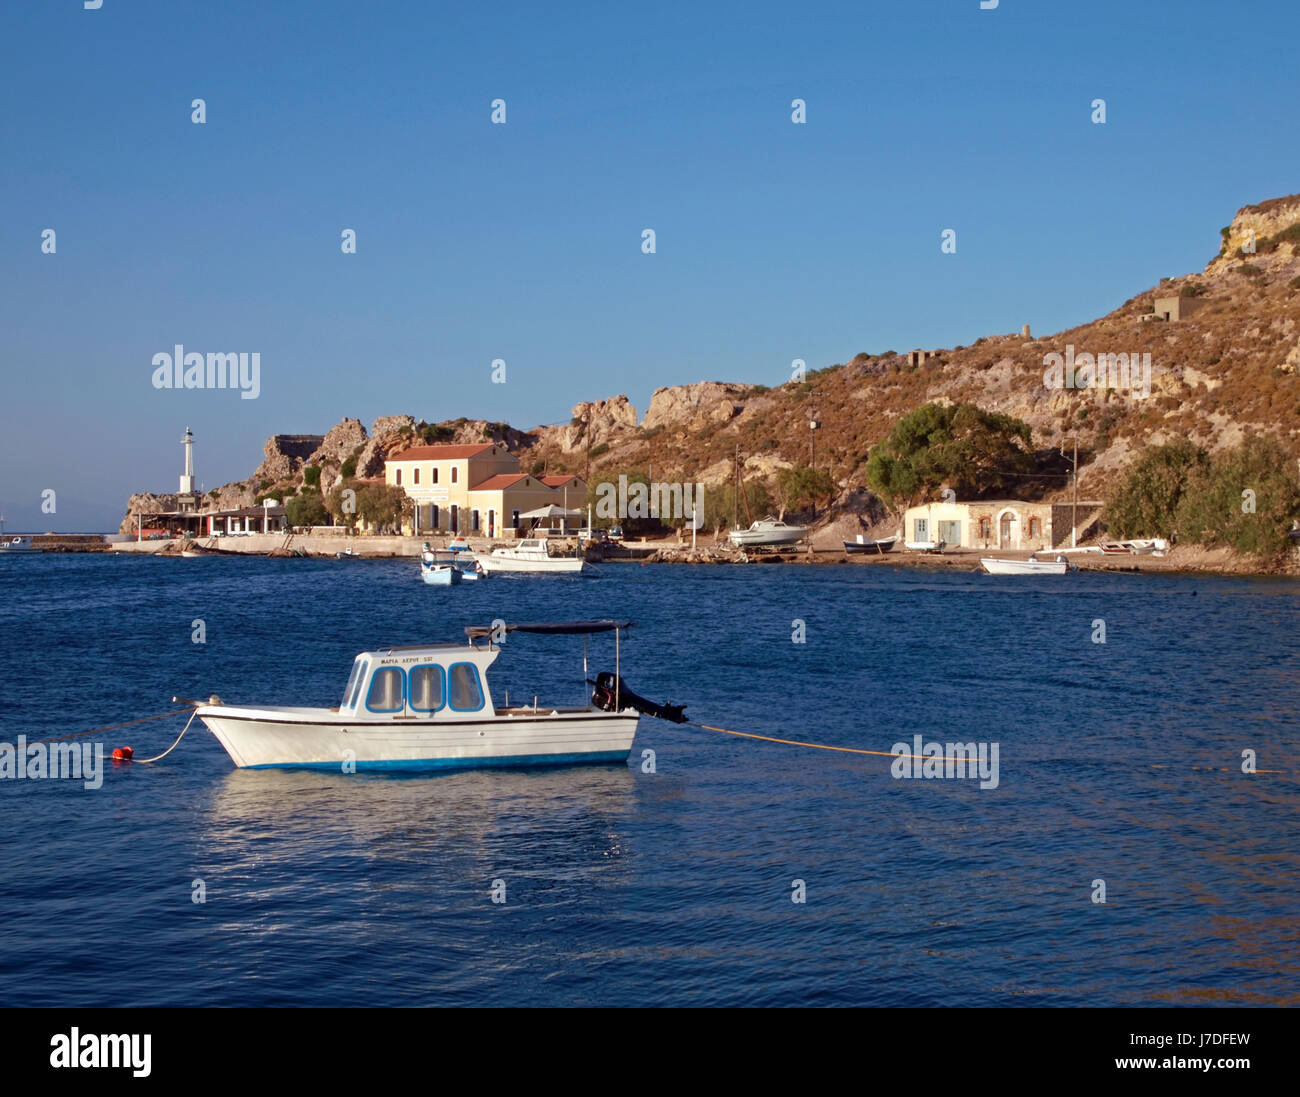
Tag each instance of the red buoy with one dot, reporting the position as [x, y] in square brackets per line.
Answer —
[123, 754]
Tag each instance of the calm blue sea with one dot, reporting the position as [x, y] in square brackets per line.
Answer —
[1118, 762]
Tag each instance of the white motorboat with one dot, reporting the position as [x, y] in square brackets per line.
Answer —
[430, 707]
[439, 575]
[19, 544]
[532, 554]
[767, 531]
[1059, 566]
[925, 546]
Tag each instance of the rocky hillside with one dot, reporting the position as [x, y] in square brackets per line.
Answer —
[1230, 366]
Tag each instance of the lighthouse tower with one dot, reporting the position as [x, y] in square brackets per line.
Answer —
[186, 499]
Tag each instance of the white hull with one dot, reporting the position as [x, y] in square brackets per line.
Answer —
[924, 546]
[321, 739]
[1024, 567]
[767, 532]
[571, 565]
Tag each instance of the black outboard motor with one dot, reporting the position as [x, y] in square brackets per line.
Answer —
[603, 697]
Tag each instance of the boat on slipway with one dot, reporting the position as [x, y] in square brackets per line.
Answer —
[429, 707]
[883, 545]
[767, 531]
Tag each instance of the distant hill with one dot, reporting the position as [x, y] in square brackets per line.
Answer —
[1228, 367]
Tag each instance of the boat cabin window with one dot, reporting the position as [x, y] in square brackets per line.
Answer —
[354, 683]
[466, 694]
[428, 688]
[386, 690]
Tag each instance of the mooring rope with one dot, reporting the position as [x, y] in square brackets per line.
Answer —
[891, 754]
[147, 761]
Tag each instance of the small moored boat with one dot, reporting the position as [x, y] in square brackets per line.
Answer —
[429, 706]
[925, 546]
[533, 554]
[1059, 566]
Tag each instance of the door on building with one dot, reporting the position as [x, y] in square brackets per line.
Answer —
[921, 529]
[950, 533]
[455, 518]
[492, 523]
[1004, 531]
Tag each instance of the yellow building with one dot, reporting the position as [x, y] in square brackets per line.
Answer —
[1002, 524]
[476, 490]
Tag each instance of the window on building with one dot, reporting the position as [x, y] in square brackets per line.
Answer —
[1035, 527]
[464, 690]
[398, 478]
[415, 476]
[428, 688]
[435, 474]
[986, 528]
[386, 690]
[514, 519]
[454, 471]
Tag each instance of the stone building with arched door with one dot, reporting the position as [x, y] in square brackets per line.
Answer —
[1003, 525]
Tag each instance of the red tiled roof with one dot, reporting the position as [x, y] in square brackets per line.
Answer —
[500, 481]
[440, 453]
[557, 481]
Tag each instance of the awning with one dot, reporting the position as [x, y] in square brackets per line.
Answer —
[561, 628]
[551, 512]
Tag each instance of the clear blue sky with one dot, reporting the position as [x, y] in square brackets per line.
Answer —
[523, 241]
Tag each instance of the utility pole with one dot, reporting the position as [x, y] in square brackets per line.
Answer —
[1074, 520]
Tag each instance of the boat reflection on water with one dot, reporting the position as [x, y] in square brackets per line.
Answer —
[573, 812]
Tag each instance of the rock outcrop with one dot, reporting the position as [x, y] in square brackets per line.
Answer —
[706, 402]
[285, 454]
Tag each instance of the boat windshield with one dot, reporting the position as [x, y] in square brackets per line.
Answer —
[354, 681]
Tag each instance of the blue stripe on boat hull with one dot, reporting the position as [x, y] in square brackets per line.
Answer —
[418, 764]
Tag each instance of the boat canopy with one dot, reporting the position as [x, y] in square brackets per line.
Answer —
[560, 628]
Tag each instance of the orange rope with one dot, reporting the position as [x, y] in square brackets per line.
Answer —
[891, 754]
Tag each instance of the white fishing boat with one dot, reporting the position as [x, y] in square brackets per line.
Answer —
[1059, 566]
[533, 554]
[439, 575]
[430, 707]
[925, 546]
[471, 570]
[18, 544]
[767, 531]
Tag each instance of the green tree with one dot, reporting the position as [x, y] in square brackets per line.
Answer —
[384, 505]
[971, 450]
[1245, 498]
[802, 487]
[722, 505]
[341, 502]
[1146, 500]
[311, 476]
[306, 509]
